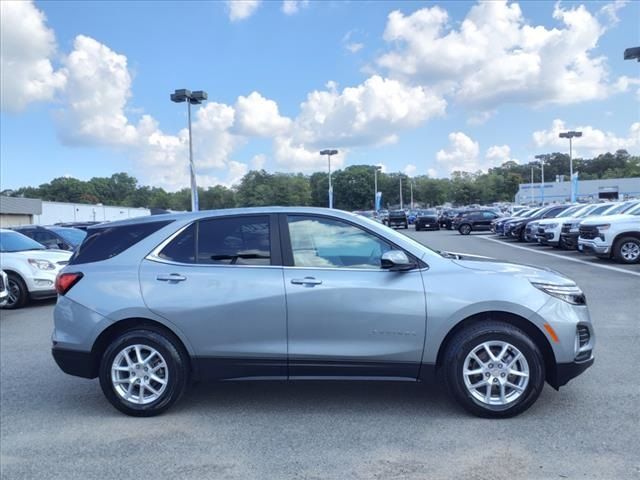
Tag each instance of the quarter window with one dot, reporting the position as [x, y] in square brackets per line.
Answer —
[182, 249]
[322, 242]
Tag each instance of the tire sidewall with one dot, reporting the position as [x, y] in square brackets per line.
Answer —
[455, 378]
[12, 278]
[464, 229]
[618, 249]
[176, 365]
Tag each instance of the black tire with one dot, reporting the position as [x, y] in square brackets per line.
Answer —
[464, 229]
[17, 287]
[417, 228]
[471, 337]
[617, 250]
[177, 366]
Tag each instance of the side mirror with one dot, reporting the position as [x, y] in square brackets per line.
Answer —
[396, 261]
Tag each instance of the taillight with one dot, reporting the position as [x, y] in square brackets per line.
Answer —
[64, 281]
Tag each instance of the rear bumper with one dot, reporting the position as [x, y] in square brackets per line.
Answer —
[74, 362]
[567, 371]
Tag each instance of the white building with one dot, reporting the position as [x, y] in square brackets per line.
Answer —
[587, 191]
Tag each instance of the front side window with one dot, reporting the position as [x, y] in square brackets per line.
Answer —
[323, 242]
[234, 241]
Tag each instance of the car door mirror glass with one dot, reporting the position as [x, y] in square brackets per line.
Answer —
[396, 260]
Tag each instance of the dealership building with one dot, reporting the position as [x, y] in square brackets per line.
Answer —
[586, 191]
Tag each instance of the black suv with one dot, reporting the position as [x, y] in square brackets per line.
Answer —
[62, 238]
[397, 218]
[427, 220]
[474, 221]
[446, 218]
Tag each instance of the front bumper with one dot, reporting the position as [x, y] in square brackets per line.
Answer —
[593, 247]
[42, 294]
[564, 372]
[570, 239]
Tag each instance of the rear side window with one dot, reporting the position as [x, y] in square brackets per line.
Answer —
[243, 240]
[107, 242]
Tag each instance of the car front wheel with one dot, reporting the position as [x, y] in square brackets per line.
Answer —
[627, 250]
[18, 293]
[464, 229]
[493, 369]
[143, 372]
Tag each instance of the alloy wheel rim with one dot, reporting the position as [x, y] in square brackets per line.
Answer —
[139, 374]
[630, 251]
[14, 293]
[495, 373]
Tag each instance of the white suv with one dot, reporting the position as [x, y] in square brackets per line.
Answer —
[616, 236]
[31, 269]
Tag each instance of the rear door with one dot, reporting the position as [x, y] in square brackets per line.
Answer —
[485, 219]
[346, 315]
[219, 280]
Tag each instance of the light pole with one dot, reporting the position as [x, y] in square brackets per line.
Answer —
[192, 98]
[542, 158]
[531, 188]
[376, 169]
[401, 205]
[571, 135]
[328, 153]
[411, 187]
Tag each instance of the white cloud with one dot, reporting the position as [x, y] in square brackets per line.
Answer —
[350, 44]
[593, 141]
[432, 172]
[26, 48]
[258, 161]
[410, 169]
[495, 56]
[462, 154]
[354, 47]
[610, 10]
[498, 154]
[291, 7]
[242, 9]
[258, 116]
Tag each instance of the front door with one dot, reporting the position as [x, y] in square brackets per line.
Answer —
[346, 315]
[220, 283]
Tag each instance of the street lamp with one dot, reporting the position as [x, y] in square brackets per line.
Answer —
[571, 135]
[541, 158]
[401, 205]
[192, 98]
[376, 169]
[632, 53]
[329, 153]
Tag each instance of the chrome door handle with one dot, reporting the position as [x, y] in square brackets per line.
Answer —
[306, 281]
[172, 277]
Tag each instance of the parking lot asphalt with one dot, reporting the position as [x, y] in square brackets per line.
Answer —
[56, 426]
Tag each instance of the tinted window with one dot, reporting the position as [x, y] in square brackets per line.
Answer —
[48, 239]
[16, 242]
[489, 215]
[107, 242]
[322, 242]
[181, 249]
[234, 241]
[73, 236]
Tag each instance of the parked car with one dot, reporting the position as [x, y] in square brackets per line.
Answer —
[517, 228]
[60, 238]
[474, 221]
[427, 220]
[292, 293]
[31, 268]
[4, 288]
[497, 225]
[82, 225]
[548, 229]
[446, 218]
[570, 230]
[612, 236]
[397, 218]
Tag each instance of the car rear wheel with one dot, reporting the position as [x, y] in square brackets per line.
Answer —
[493, 369]
[464, 229]
[627, 250]
[18, 293]
[143, 372]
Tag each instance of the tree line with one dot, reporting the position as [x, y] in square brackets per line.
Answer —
[353, 186]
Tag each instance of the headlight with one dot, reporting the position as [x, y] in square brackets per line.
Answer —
[569, 293]
[604, 227]
[41, 264]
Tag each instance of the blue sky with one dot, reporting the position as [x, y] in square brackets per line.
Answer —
[420, 87]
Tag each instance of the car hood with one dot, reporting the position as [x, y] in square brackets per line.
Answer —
[608, 219]
[52, 255]
[530, 272]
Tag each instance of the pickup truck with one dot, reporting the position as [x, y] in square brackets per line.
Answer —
[397, 218]
[612, 236]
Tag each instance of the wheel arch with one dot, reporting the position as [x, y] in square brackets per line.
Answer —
[121, 326]
[528, 327]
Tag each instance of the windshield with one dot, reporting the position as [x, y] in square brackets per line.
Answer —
[620, 208]
[600, 209]
[530, 213]
[635, 210]
[73, 236]
[16, 242]
[569, 211]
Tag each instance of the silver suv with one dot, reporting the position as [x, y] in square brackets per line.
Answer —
[150, 304]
